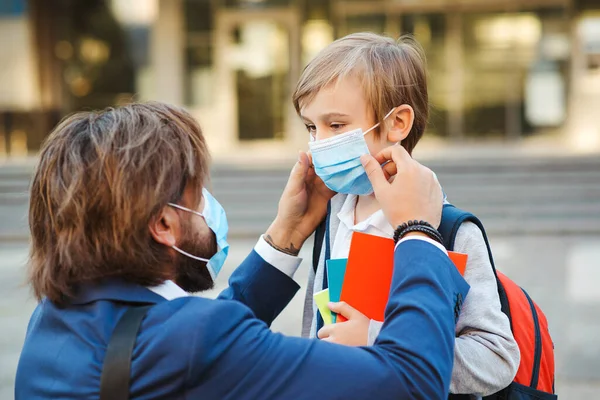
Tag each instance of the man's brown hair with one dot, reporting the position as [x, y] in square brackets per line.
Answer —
[101, 178]
[391, 72]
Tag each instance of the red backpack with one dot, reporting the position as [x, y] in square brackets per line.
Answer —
[535, 376]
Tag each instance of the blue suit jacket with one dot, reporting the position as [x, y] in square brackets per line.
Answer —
[192, 347]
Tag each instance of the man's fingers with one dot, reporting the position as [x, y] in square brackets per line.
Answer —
[374, 172]
[343, 308]
[395, 153]
[389, 169]
[401, 158]
[300, 170]
[304, 161]
[310, 161]
[384, 155]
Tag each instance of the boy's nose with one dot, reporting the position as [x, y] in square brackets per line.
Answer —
[323, 134]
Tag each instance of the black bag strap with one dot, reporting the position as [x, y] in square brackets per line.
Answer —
[320, 233]
[116, 370]
[318, 245]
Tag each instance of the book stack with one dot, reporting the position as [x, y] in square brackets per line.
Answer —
[363, 280]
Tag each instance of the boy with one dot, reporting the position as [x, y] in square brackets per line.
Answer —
[363, 93]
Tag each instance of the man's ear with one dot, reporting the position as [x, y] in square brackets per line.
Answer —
[165, 227]
[400, 123]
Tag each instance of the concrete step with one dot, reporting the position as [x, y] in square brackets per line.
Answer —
[505, 197]
[505, 193]
[511, 196]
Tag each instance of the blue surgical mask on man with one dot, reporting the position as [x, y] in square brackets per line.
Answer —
[337, 161]
[215, 218]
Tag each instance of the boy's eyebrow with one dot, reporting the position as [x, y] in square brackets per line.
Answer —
[333, 115]
[325, 117]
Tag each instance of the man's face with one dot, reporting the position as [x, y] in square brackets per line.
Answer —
[199, 240]
[339, 108]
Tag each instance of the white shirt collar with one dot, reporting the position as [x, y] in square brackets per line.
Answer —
[346, 213]
[376, 223]
[169, 290]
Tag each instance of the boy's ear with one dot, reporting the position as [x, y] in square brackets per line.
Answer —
[400, 123]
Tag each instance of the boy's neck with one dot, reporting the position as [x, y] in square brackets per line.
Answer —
[365, 207]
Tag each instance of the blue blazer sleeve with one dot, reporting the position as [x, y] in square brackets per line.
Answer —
[261, 287]
[412, 357]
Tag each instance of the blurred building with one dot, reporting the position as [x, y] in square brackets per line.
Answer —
[503, 69]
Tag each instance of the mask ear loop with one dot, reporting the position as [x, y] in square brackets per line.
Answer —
[186, 209]
[376, 125]
[190, 255]
[379, 123]
[177, 248]
[207, 261]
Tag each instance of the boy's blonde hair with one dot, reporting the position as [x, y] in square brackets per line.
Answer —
[391, 72]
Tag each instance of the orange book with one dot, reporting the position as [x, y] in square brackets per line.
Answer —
[369, 274]
[459, 260]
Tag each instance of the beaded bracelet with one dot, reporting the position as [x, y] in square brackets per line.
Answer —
[417, 226]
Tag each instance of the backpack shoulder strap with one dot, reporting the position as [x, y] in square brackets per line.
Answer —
[116, 369]
[452, 219]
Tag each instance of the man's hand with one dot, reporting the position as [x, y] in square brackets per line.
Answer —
[354, 332]
[414, 194]
[302, 207]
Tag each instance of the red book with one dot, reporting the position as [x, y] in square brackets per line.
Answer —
[369, 274]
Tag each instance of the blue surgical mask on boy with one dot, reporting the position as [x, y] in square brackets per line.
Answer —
[337, 161]
[215, 218]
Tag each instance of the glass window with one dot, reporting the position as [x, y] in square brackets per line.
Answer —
[515, 72]
[430, 30]
[255, 3]
[545, 74]
[199, 71]
[102, 48]
[18, 76]
[90, 55]
[488, 46]
[259, 59]
[363, 23]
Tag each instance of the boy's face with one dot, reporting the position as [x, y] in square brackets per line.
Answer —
[342, 107]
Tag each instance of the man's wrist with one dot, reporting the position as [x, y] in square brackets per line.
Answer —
[283, 239]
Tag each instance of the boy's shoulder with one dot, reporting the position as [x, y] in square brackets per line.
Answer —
[468, 235]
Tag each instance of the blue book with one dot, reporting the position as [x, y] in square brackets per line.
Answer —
[336, 269]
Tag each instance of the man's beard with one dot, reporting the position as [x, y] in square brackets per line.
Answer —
[193, 275]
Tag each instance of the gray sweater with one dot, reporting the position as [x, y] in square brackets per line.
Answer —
[486, 356]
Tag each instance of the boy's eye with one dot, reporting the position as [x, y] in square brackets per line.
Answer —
[337, 127]
[310, 128]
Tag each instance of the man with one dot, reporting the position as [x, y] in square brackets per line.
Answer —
[120, 218]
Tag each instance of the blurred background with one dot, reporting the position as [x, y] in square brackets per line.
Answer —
[514, 134]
